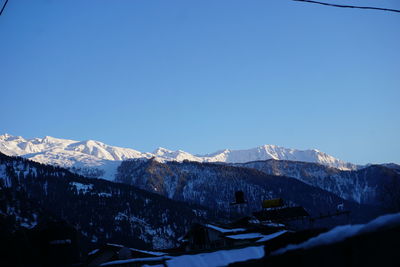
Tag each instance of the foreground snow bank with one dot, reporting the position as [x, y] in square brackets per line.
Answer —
[218, 258]
[341, 233]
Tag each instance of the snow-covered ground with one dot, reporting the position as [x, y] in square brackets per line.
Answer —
[218, 258]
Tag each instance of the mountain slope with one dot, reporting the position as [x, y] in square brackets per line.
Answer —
[375, 184]
[103, 211]
[213, 185]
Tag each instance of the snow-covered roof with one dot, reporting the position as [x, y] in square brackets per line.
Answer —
[152, 259]
[245, 236]
[271, 224]
[115, 245]
[262, 238]
[154, 253]
[225, 230]
[93, 251]
[271, 236]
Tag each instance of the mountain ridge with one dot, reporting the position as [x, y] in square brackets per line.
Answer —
[94, 154]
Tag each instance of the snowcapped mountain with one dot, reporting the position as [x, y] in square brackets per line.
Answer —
[163, 154]
[264, 152]
[17, 145]
[90, 158]
[278, 153]
[96, 159]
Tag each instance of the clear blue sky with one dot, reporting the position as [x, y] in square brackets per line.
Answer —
[204, 75]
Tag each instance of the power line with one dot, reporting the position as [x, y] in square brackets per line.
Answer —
[347, 6]
[4, 6]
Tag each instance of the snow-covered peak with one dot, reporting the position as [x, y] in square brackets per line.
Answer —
[266, 152]
[9, 137]
[20, 146]
[103, 151]
[164, 154]
[161, 151]
[79, 155]
[53, 140]
[5, 136]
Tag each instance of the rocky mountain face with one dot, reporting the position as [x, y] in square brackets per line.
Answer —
[375, 184]
[103, 211]
[213, 186]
